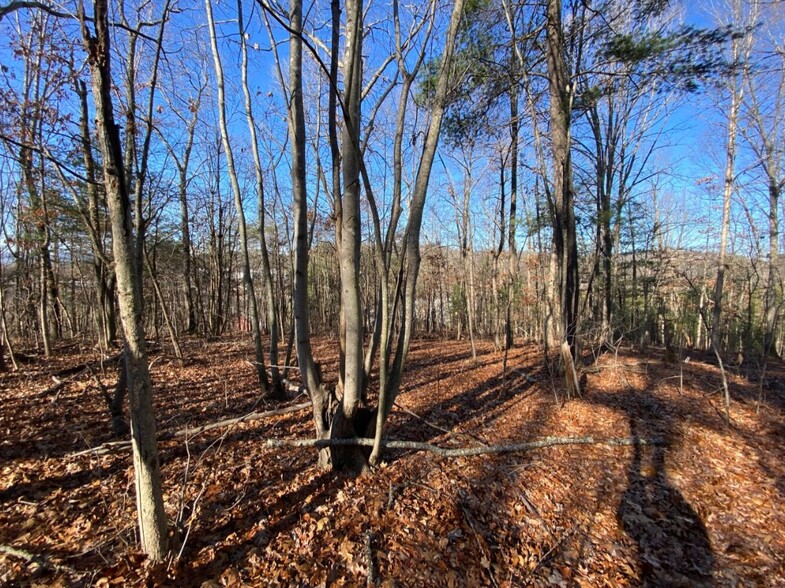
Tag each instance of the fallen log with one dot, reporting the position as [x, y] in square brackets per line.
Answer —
[464, 451]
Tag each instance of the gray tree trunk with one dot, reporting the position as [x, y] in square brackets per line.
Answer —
[261, 371]
[412, 242]
[308, 369]
[564, 232]
[276, 389]
[349, 245]
[149, 497]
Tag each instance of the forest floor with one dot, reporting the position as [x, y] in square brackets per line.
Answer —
[707, 509]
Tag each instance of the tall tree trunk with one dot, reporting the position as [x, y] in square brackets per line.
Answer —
[149, 496]
[276, 390]
[349, 245]
[261, 371]
[185, 225]
[385, 243]
[772, 280]
[467, 253]
[512, 267]
[736, 93]
[36, 194]
[308, 369]
[411, 268]
[102, 267]
[564, 232]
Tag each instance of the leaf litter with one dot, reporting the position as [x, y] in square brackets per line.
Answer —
[704, 510]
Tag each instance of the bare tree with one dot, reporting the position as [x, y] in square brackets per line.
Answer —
[276, 388]
[763, 111]
[562, 197]
[35, 117]
[740, 50]
[411, 248]
[183, 161]
[149, 496]
[261, 371]
[308, 369]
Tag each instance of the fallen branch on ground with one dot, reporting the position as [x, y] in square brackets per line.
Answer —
[251, 416]
[387, 444]
[33, 558]
[463, 451]
[58, 385]
[113, 446]
[370, 579]
[76, 369]
[103, 449]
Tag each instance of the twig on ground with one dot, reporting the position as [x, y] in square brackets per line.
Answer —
[252, 416]
[370, 578]
[33, 558]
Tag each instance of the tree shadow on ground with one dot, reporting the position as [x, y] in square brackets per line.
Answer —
[225, 557]
[470, 410]
[766, 425]
[40, 488]
[672, 542]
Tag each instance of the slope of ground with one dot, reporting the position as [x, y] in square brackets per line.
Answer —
[703, 510]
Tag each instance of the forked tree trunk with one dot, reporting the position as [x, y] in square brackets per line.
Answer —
[349, 246]
[412, 243]
[384, 243]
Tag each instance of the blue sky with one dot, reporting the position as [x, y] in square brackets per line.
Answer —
[691, 149]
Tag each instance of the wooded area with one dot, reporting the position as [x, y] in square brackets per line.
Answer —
[567, 211]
